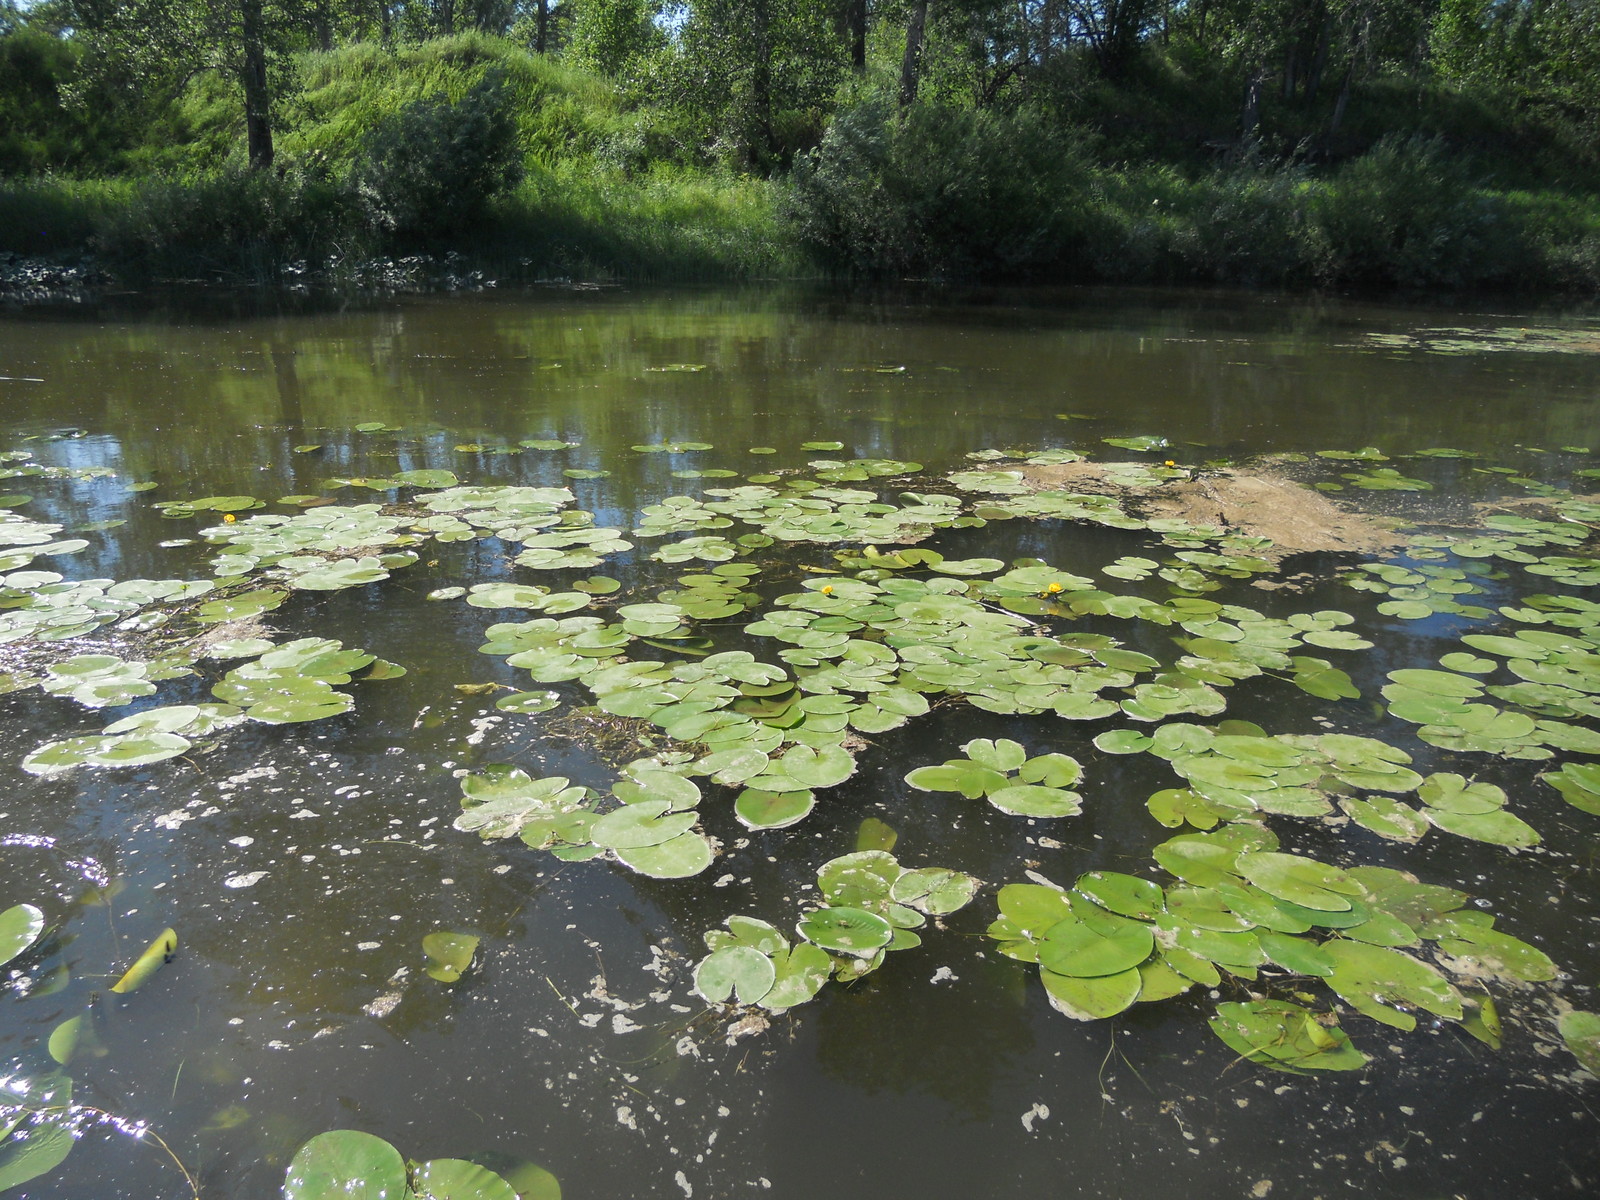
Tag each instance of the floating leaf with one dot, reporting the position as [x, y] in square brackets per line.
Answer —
[345, 1164]
[1285, 1037]
[647, 823]
[20, 927]
[457, 1179]
[1108, 946]
[757, 809]
[1092, 998]
[843, 930]
[34, 1151]
[679, 857]
[740, 972]
[1302, 881]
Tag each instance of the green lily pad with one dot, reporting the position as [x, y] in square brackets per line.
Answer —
[1109, 945]
[1004, 756]
[646, 823]
[1498, 828]
[1126, 895]
[801, 972]
[757, 809]
[26, 1155]
[740, 972]
[936, 891]
[676, 858]
[1302, 881]
[20, 927]
[345, 1164]
[1032, 800]
[1372, 978]
[458, 1179]
[1092, 998]
[1285, 1037]
[843, 930]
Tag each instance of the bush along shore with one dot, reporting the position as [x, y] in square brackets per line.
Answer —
[601, 139]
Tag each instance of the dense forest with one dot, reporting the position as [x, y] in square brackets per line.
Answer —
[1368, 144]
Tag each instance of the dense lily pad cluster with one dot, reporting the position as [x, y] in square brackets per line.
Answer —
[281, 685]
[872, 905]
[1245, 909]
[838, 654]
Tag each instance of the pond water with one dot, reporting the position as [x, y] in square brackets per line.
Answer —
[301, 862]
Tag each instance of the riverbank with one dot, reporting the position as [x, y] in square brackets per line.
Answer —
[1402, 224]
[532, 167]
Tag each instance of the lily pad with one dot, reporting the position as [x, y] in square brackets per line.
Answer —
[1302, 881]
[676, 858]
[345, 1164]
[1092, 998]
[844, 930]
[20, 927]
[1285, 1037]
[458, 1179]
[742, 973]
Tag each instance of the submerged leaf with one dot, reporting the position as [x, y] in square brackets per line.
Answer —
[449, 955]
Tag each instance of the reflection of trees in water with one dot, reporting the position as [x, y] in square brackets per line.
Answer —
[896, 1032]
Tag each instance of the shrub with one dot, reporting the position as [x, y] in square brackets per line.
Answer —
[1408, 214]
[233, 223]
[433, 168]
[941, 190]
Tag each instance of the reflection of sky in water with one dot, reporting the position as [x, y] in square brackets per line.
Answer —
[576, 1041]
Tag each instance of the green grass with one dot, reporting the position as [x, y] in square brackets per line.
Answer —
[580, 221]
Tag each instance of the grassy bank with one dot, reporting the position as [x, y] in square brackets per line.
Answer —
[538, 168]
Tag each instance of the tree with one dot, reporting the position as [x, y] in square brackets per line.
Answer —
[758, 75]
[165, 44]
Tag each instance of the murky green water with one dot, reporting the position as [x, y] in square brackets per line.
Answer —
[297, 1003]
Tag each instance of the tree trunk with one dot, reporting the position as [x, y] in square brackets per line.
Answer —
[1250, 118]
[911, 64]
[257, 100]
[1342, 102]
[856, 18]
[541, 27]
[1319, 61]
[761, 82]
[322, 18]
[385, 29]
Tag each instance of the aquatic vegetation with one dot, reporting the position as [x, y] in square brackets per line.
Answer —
[812, 622]
[347, 1163]
[873, 905]
[20, 927]
[449, 955]
[39, 1121]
